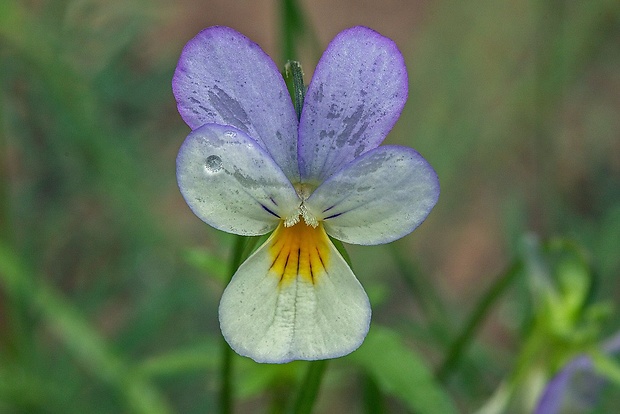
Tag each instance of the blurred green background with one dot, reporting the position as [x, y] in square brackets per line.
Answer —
[109, 285]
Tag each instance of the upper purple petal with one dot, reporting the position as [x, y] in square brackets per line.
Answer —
[224, 78]
[356, 95]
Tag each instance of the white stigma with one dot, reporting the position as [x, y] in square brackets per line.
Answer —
[303, 191]
[292, 220]
[308, 218]
[301, 212]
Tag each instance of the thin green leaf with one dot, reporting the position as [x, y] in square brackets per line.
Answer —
[489, 298]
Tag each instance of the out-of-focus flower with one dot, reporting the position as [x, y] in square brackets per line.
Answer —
[565, 322]
[249, 167]
[576, 387]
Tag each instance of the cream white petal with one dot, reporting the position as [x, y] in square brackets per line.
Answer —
[294, 298]
[377, 198]
[231, 183]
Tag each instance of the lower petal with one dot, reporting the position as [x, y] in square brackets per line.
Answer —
[294, 298]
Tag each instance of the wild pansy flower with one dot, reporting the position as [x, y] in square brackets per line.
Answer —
[250, 167]
[576, 387]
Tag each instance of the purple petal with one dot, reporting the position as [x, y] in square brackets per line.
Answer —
[224, 78]
[575, 386]
[356, 95]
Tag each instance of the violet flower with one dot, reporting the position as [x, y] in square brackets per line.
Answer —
[576, 387]
[250, 167]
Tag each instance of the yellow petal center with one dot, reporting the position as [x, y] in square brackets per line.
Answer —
[299, 251]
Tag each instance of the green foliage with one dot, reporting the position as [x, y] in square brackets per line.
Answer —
[399, 371]
[109, 286]
[85, 344]
[565, 322]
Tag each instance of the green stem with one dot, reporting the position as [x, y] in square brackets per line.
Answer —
[292, 27]
[373, 401]
[309, 387]
[295, 30]
[495, 291]
[239, 253]
[226, 401]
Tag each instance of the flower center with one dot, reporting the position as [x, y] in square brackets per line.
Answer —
[304, 190]
[302, 211]
[299, 250]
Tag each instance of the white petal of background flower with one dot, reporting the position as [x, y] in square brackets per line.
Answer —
[231, 183]
[377, 198]
[276, 321]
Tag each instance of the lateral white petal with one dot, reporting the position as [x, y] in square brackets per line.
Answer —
[377, 198]
[294, 298]
[231, 183]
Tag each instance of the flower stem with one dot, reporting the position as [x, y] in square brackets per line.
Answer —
[309, 387]
[457, 348]
[239, 253]
[293, 26]
[226, 402]
[373, 401]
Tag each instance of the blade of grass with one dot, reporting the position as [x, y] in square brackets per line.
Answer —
[475, 320]
[423, 292]
[88, 347]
